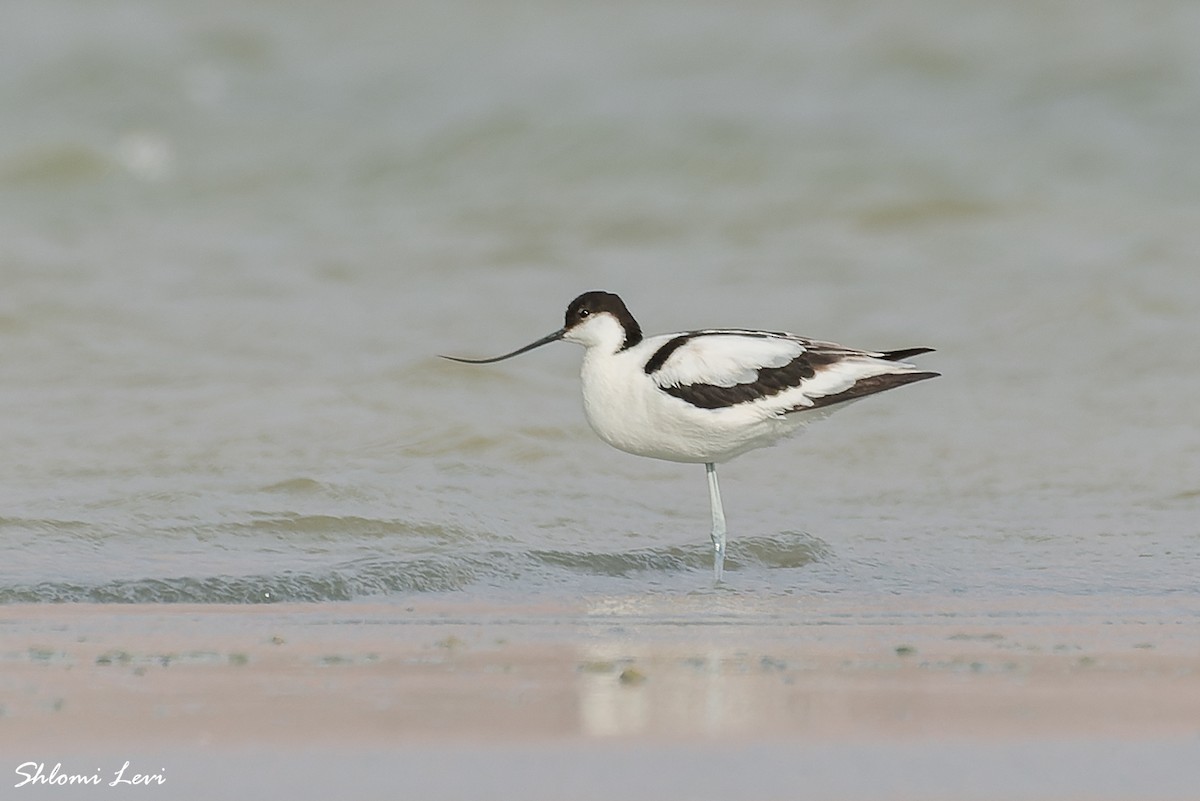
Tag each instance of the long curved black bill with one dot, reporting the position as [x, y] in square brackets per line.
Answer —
[546, 340]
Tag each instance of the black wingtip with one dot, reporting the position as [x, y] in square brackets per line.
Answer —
[904, 353]
[867, 386]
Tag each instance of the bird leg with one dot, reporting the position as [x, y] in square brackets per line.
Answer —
[718, 521]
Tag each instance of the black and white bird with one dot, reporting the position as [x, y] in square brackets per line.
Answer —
[706, 396]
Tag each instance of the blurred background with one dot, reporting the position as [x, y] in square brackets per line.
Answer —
[235, 235]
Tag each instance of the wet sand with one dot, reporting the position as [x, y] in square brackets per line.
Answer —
[702, 696]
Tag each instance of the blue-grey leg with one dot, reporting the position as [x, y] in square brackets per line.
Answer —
[718, 521]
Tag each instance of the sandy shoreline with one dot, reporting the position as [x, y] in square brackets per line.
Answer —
[683, 676]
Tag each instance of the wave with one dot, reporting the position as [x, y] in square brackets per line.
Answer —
[367, 577]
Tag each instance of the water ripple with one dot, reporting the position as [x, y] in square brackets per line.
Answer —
[373, 576]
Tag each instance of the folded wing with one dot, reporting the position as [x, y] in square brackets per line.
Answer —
[716, 369]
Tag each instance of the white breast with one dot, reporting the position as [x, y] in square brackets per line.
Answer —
[629, 411]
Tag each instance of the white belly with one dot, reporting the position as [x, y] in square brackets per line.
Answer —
[639, 418]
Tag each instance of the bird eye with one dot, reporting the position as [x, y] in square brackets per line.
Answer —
[584, 312]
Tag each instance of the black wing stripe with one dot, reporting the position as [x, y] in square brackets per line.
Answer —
[769, 381]
[660, 356]
[655, 362]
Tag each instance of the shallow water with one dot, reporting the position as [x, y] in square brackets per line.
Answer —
[233, 238]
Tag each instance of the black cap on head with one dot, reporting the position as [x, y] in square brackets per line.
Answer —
[595, 302]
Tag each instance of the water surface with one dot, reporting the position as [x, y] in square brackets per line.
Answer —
[233, 237]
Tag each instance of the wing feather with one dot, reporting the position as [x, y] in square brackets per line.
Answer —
[722, 357]
[717, 368]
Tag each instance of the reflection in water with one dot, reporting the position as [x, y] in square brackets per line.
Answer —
[693, 683]
[685, 695]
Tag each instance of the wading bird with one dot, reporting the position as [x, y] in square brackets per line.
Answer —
[706, 396]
